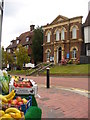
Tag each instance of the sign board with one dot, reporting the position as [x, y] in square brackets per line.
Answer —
[29, 65]
[51, 59]
[67, 55]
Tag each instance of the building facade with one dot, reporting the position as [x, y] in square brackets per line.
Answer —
[62, 39]
[85, 51]
[86, 26]
[25, 39]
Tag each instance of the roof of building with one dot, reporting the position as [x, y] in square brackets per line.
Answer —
[60, 19]
[87, 22]
[22, 40]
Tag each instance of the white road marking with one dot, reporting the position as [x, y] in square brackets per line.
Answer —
[38, 96]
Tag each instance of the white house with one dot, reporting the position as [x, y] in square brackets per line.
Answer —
[87, 34]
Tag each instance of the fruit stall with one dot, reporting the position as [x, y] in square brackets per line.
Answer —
[17, 98]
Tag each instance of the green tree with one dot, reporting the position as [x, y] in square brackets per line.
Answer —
[22, 56]
[7, 58]
[37, 41]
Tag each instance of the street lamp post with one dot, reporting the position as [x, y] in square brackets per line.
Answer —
[1, 17]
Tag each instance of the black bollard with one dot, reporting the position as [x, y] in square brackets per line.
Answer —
[48, 82]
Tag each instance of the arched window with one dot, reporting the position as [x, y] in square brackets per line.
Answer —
[48, 37]
[74, 53]
[62, 34]
[57, 35]
[74, 32]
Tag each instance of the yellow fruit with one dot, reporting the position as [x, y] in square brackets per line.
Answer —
[6, 117]
[17, 115]
[12, 109]
[24, 100]
[12, 114]
[3, 98]
[2, 113]
[11, 97]
[10, 94]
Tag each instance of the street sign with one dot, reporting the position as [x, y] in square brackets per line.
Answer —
[67, 55]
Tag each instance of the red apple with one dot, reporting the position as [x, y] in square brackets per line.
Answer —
[19, 99]
[14, 102]
[10, 101]
[20, 103]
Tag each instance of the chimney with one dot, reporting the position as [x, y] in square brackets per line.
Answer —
[32, 27]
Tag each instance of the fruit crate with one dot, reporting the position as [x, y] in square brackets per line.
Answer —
[23, 107]
[24, 90]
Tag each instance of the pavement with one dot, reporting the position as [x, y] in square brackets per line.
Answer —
[67, 97]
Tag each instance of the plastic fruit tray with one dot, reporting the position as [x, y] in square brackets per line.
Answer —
[24, 90]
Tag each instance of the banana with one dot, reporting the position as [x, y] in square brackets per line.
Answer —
[5, 116]
[15, 115]
[12, 109]
[10, 94]
[11, 97]
[18, 115]
[3, 99]
[12, 114]
[1, 113]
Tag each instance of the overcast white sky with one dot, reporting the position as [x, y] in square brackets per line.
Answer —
[20, 14]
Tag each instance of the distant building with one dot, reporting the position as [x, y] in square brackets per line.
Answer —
[62, 39]
[25, 39]
[85, 53]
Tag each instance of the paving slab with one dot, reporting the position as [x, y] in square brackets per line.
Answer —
[67, 97]
[57, 103]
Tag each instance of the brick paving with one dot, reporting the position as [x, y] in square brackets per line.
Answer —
[75, 82]
[57, 103]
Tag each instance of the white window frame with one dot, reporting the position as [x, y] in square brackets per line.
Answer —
[57, 35]
[17, 41]
[74, 53]
[48, 37]
[48, 56]
[62, 34]
[27, 39]
[8, 50]
[74, 33]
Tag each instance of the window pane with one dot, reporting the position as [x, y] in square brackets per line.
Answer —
[17, 41]
[27, 39]
[57, 35]
[48, 37]
[62, 34]
[74, 53]
[74, 33]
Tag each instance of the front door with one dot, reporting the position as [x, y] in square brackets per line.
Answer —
[60, 54]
